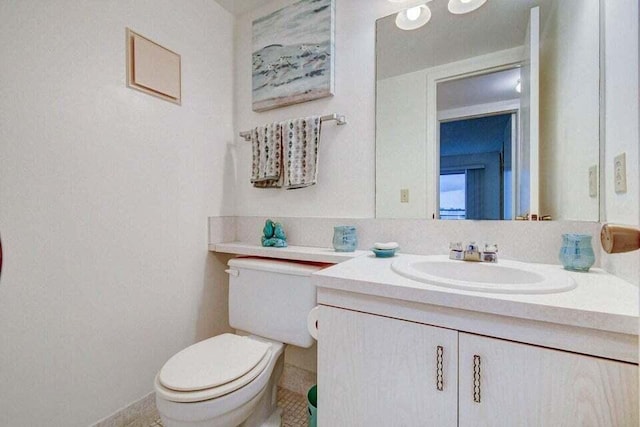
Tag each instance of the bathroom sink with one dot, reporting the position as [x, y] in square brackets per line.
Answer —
[505, 276]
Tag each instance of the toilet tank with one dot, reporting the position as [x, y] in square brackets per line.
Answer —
[272, 298]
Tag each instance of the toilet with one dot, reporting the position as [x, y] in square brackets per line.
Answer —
[231, 379]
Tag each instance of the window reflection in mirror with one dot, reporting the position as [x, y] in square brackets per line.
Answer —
[453, 200]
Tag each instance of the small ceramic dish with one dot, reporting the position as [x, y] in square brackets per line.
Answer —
[384, 253]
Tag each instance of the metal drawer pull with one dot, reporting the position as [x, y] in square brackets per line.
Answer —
[439, 370]
[476, 378]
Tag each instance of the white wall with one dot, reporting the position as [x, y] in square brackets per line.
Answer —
[622, 107]
[621, 129]
[104, 199]
[569, 109]
[346, 179]
[401, 153]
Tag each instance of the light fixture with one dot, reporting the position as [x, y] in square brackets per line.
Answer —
[459, 7]
[413, 17]
[519, 86]
[417, 13]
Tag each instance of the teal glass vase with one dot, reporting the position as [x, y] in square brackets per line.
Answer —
[576, 253]
[345, 238]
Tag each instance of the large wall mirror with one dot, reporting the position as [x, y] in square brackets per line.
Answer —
[493, 114]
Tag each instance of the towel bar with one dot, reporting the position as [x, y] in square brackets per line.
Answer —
[341, 120]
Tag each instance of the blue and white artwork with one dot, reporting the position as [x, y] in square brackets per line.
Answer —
[293, 54]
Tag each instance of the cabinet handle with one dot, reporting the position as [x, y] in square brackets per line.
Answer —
[439, 369]
[476, 378]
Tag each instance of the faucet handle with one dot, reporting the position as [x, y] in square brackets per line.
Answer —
[490, 247]
[455, 251]
[490, 253]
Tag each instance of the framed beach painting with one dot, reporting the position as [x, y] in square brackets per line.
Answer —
[293, 54]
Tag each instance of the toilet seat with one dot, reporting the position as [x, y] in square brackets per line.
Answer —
[212, 393]
[212, 368]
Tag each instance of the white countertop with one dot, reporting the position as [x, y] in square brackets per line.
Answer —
[295, 253]
[600, 301]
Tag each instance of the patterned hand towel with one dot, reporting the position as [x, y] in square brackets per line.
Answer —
[300, 138]
[266, 171]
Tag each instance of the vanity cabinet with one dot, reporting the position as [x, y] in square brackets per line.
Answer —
[377, 371]
[524, 385]
[381, 371]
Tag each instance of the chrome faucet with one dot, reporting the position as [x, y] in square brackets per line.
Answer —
[473, 253]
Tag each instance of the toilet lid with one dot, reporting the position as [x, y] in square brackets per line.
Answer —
[212, 362]
[215, 392]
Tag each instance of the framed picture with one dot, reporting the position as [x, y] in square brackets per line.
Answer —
[293, 50]
[153, 69]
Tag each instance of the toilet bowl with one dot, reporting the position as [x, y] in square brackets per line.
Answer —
[231, 380]
[230, 404]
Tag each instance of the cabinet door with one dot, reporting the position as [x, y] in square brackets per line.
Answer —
[508, 384]
[376, 371]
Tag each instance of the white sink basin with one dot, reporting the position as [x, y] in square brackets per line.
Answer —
[505, 276]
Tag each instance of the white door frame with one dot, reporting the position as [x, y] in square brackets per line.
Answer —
[478, 65]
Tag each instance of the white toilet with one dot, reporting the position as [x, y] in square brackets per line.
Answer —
[231, 380]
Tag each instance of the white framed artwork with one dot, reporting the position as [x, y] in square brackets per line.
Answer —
[293, 54]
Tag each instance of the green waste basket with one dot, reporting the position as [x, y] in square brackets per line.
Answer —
[312, 406]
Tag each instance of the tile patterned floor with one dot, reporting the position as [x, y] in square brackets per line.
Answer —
[294, 409]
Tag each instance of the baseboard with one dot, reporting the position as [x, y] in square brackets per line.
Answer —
[296, 379]
[142, 413]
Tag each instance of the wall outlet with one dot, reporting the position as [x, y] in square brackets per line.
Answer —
[404, 195]
[593, 181]
[620, 173]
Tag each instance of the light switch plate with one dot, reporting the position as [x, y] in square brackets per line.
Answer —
[404, 195]
[620, 173]
[593, 181]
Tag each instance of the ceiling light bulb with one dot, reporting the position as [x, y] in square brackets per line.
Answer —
[413, 13]
[413, 18]
[458, 7]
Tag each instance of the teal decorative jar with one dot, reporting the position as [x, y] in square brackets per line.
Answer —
[345, 238]
[576, 253]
